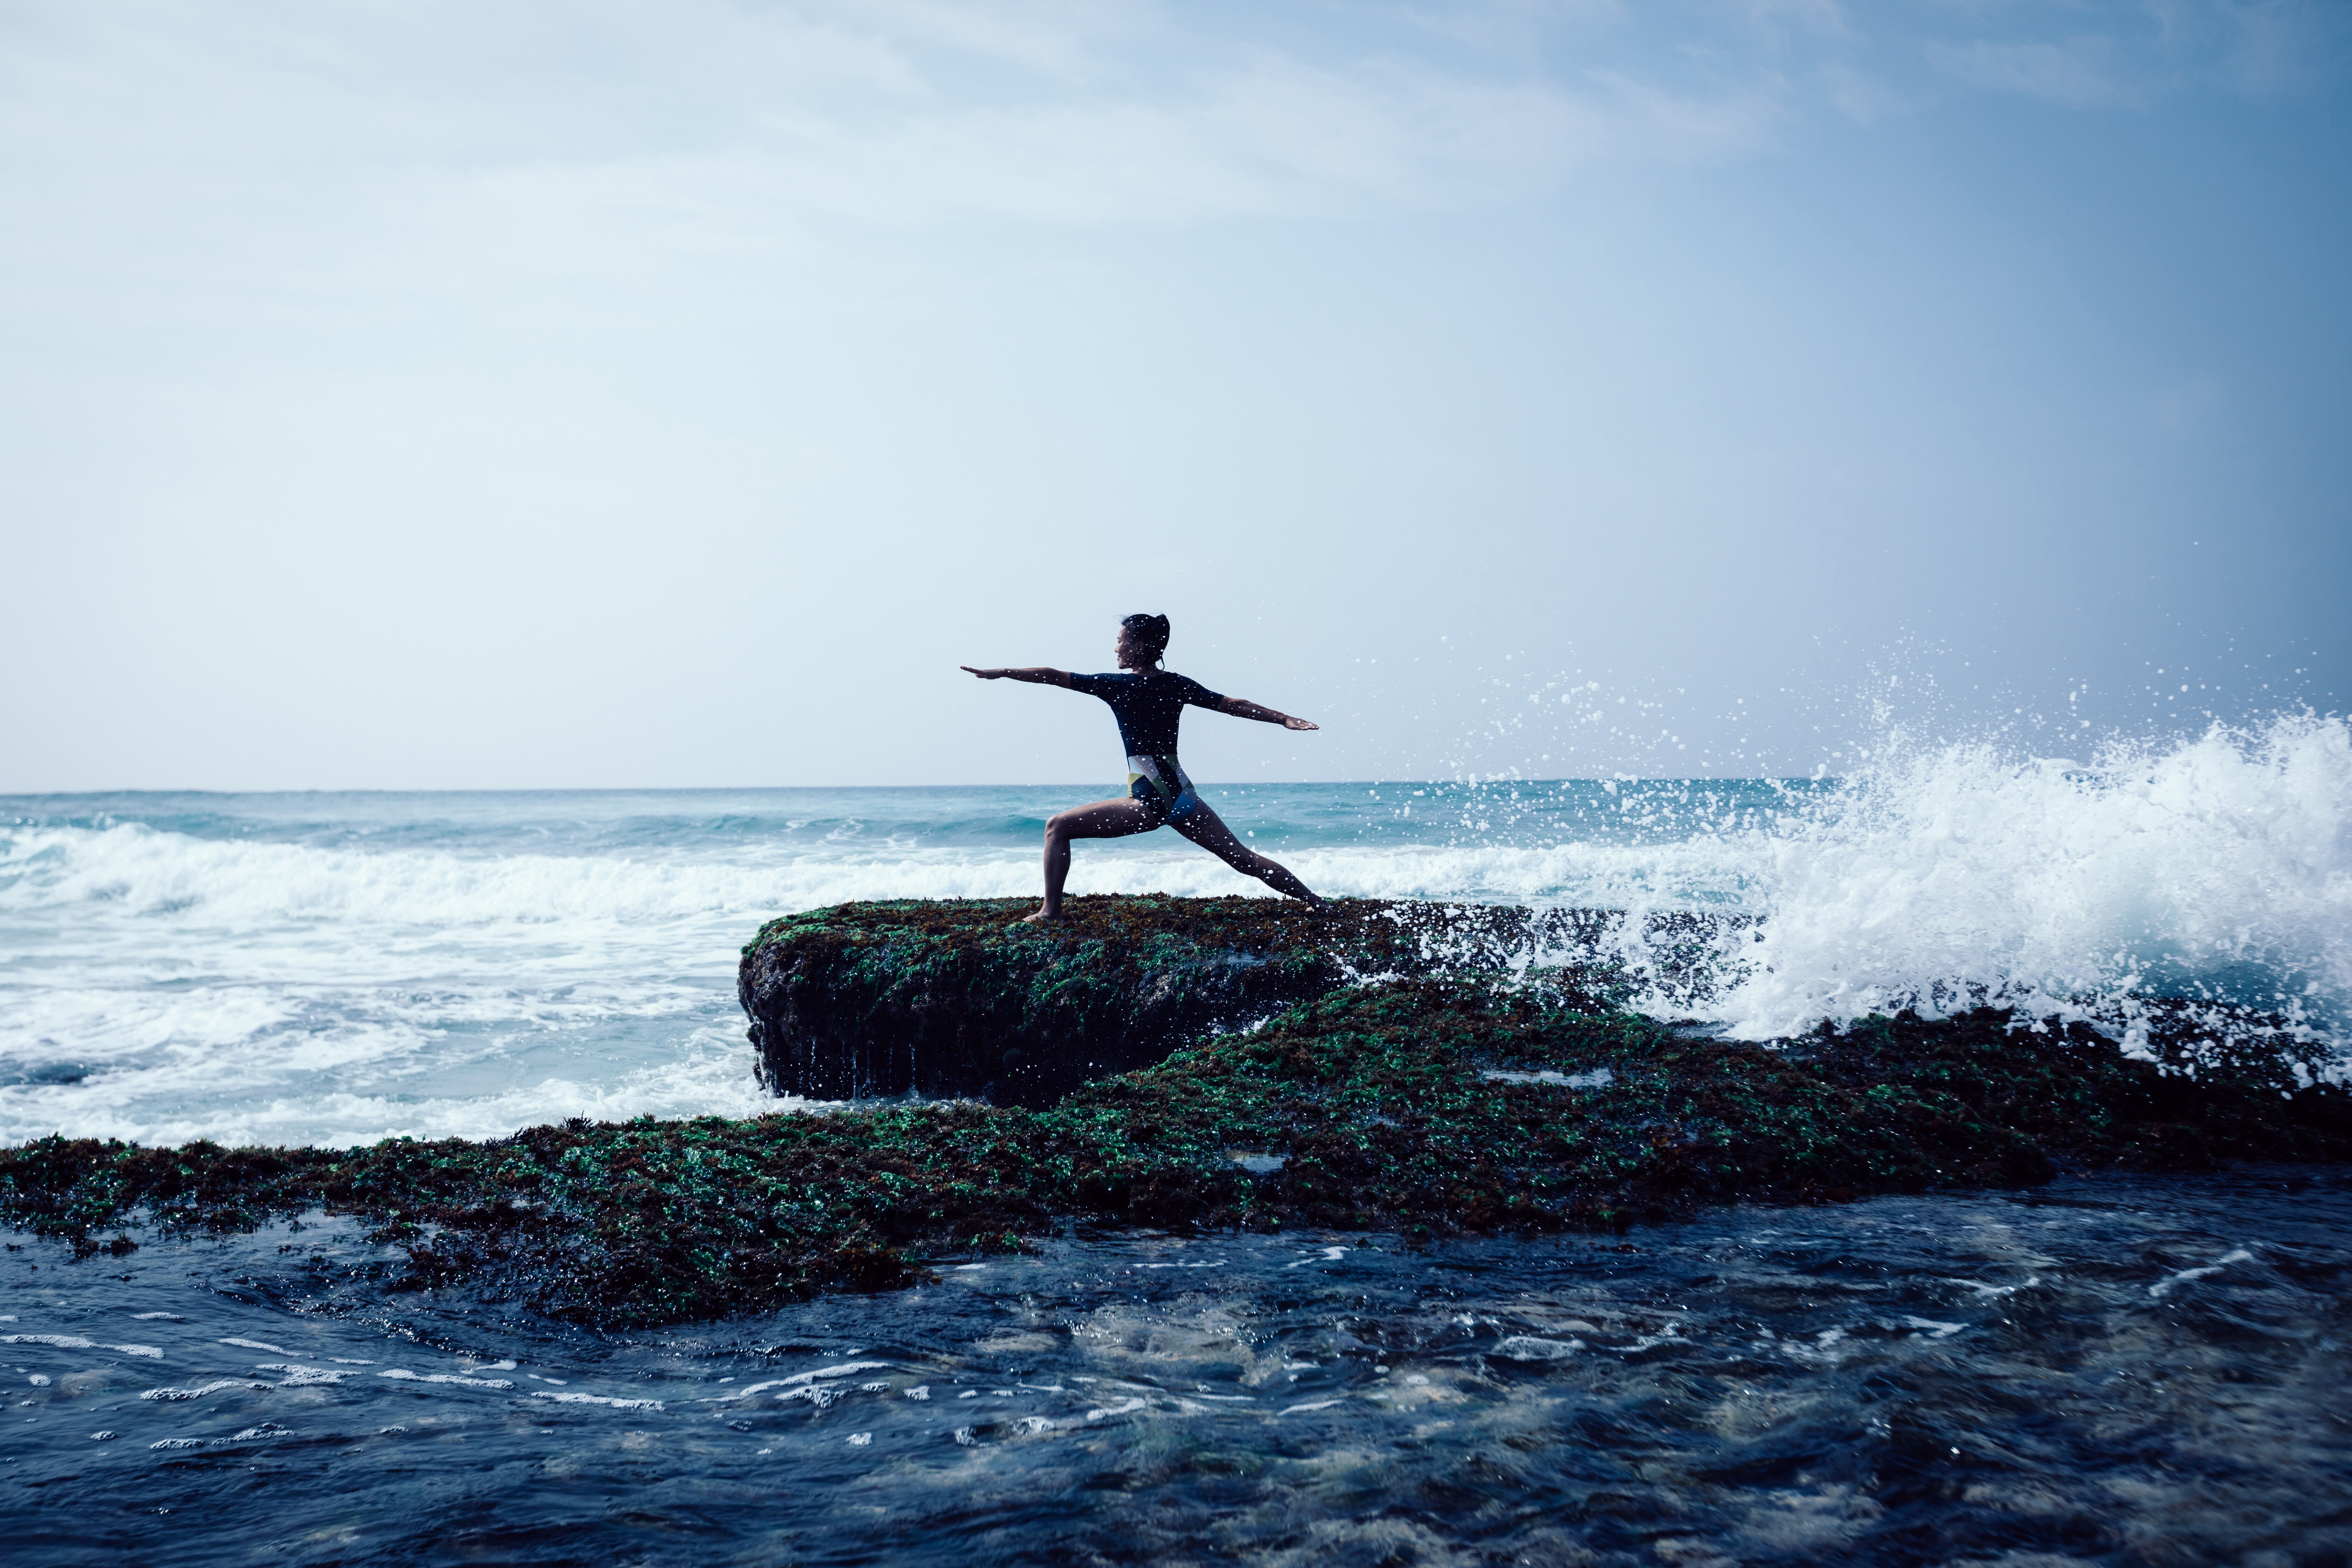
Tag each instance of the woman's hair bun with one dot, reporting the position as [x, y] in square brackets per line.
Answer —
[1151, 631]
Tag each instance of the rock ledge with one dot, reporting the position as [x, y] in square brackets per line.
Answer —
[960, 999]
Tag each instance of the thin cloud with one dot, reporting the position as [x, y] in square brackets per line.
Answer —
[2079, 73]
[326, 153]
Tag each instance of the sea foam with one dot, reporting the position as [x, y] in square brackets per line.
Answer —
[2217, 867]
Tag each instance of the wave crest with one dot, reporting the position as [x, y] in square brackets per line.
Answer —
[2213, 868]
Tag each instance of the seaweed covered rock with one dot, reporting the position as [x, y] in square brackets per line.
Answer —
[1423, 1108]
[962, 999]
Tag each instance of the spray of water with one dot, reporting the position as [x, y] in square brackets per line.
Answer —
[2212, 868]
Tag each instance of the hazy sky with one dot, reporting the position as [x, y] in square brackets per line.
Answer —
[620, 393]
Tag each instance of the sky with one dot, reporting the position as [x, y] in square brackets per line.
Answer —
[620, 394]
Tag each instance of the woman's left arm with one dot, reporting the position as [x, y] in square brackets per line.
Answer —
[1242, 708]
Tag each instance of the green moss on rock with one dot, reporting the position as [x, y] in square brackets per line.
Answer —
[962, 999]
[1376, 1107]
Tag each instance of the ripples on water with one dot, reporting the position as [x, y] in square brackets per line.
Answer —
[2141, 1371]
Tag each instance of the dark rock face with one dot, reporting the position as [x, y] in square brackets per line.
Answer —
[959, 998]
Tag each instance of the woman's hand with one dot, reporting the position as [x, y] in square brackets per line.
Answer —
[985, 674]
[1301, 724]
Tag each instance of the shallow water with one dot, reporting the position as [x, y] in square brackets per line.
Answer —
[2107, 1370]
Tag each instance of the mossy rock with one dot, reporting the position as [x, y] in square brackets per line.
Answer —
[960, 998]
[1416, 1108]
[1414, 1076]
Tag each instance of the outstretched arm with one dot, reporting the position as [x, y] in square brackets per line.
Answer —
[1037, 675]
[1242, 708]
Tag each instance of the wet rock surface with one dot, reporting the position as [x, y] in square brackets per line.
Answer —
[962, 999]
[1425, 1108]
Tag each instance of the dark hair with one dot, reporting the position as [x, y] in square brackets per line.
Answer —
[1151, 631]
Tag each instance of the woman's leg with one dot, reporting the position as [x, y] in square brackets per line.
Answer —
[1103, 819]
[1207, 830]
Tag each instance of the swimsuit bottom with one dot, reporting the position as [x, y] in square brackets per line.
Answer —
[1160, 784]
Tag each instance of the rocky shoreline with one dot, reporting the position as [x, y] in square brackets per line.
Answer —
[1414, 1076]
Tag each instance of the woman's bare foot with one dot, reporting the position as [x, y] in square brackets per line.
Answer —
[1039, 919]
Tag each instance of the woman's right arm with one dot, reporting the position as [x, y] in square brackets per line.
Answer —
[1037, 675]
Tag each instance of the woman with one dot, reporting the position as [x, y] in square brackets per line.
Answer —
[1148, 703]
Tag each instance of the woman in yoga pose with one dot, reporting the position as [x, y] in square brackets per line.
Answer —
[1148, 701]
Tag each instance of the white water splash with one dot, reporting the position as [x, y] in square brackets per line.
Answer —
[2219, 866]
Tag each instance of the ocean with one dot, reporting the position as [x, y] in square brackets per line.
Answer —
[2108, 1369]
[339, 968]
